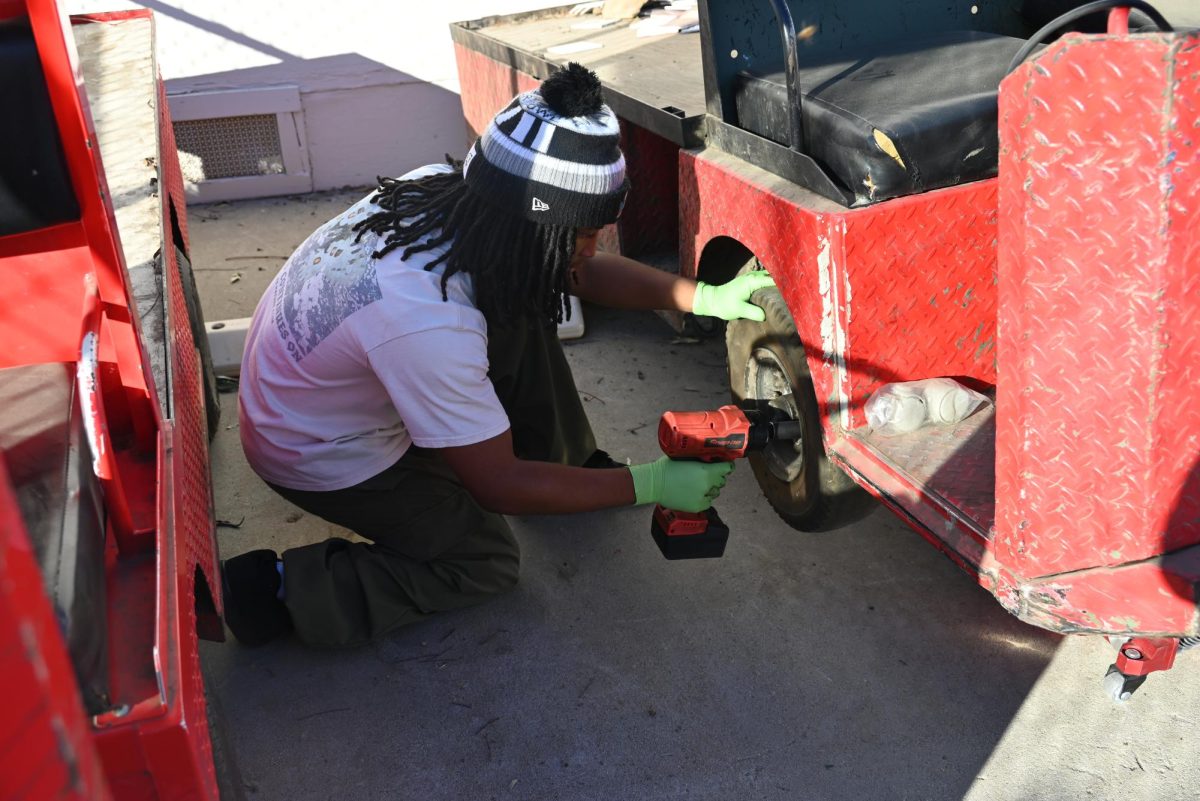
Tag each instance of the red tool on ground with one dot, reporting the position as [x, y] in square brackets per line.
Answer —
[711, 436]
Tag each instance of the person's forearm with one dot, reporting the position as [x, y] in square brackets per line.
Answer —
[535, 488]
[615, 281]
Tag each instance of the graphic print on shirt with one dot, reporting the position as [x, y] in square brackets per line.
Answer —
[327, 280]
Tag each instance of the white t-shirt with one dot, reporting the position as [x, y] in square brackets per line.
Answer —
[350, 359]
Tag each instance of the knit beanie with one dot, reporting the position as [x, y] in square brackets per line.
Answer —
[552, 155]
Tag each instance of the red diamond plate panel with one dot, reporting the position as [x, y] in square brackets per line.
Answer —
[650, 220]
[954, 463]
[1154, 597]
[897, 291]
[922, 272]
[1177, 454]
[1098, 425]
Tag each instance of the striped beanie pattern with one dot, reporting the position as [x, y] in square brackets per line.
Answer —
[552, 155]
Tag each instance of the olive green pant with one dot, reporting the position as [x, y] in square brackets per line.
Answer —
[432, 546]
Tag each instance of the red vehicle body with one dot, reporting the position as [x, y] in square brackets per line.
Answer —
[1066, 289]
[108, 565]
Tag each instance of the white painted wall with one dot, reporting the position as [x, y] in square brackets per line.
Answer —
[377, 78]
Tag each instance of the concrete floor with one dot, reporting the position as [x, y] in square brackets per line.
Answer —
[857, 664]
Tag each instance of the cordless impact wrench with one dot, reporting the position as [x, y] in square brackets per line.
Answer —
[711, 436]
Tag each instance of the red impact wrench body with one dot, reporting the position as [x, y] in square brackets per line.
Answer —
[720, 435]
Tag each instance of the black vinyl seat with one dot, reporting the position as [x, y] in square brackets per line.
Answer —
[897, 120]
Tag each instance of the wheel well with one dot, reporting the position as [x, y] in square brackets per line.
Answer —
[723, 256]
[720, 261]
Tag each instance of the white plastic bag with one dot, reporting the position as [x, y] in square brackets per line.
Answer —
[904, 407]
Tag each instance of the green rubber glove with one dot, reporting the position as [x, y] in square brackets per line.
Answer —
[686, 486]
[731, 301]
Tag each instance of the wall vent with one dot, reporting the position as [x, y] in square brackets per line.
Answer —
[229, 147]
[241, 143]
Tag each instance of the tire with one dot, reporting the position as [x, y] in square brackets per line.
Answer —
[191, 297]
[767, 365]
[230, 783]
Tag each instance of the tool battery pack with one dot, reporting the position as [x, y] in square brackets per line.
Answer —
[680, 535]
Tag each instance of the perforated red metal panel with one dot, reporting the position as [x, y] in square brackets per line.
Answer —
[196, 520]
[170, 173]
[1099, 429]
[193, 532]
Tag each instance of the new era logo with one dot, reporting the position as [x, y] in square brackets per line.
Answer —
[539, 205]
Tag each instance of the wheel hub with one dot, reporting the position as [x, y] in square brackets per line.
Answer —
[766, 380]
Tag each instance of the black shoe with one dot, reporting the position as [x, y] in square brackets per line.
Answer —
[250, 586]
[601, 460]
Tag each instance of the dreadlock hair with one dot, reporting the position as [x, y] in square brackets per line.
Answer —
[519, 268]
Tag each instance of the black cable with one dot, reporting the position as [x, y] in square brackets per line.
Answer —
[1083, 11]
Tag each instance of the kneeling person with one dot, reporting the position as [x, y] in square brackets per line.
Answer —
[403, 377]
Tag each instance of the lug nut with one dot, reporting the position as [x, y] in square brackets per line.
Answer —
[1132, 653]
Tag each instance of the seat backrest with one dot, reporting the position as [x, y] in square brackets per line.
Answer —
[895, 120]
[830, 28]
[744, 35]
